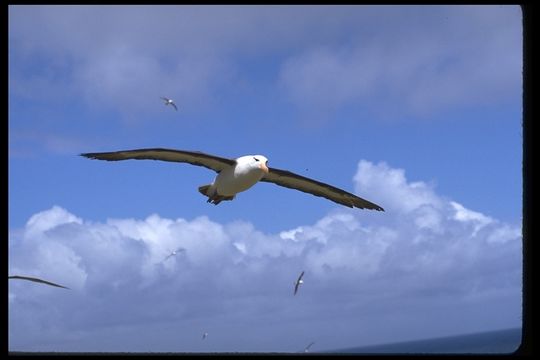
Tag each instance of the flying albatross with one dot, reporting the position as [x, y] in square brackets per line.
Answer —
[307, 347]
[237, 175]
[169, 102]
[174, 253]
[298, 283]
[36, 280]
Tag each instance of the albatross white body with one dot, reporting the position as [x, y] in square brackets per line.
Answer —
[230, 181]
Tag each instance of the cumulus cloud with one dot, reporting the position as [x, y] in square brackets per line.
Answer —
[426, 258]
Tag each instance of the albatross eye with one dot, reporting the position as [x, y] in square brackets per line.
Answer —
[255, 158]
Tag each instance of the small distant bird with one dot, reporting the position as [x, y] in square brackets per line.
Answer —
[174, 252]
[204, 335]
[298, 283]
[307, 347]
[169, 102]
[36, 280]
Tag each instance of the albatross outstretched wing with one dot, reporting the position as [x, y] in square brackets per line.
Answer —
[307, 347]
[317, 188]
[36, 280]
[212, 162]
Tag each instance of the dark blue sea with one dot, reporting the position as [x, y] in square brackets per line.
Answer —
[493, 342]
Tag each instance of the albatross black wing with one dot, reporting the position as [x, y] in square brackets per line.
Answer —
[36, 280]
[317, 188]
[298, 283]
[301, 276]
[212, 162]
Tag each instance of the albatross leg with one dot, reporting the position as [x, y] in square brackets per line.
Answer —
[216, 199]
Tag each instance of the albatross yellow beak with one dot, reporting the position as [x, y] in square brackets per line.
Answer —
[264, 167]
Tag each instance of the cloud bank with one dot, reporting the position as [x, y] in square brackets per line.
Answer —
[418, 62]
[426, 263]
[391, 60]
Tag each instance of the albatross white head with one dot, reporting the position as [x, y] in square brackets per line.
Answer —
[253, 163]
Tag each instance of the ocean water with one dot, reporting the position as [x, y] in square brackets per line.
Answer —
[493, 342]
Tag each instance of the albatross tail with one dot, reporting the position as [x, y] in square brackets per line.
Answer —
[204, 190]
[212, 194]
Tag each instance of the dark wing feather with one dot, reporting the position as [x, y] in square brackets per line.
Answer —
[36, 280]
[212, 162]
[298, 283]
[317, 188]
[168, 256]
[173, 104]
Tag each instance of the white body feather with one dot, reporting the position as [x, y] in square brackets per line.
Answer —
[246, 173]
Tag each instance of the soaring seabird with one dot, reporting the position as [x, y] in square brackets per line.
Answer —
[298, 283]
[307, 347]
[169, 102]
[237, 175]
[36, 280]
[174, 252]
[204, 335]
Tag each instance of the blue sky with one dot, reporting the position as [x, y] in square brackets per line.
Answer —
[416, 108]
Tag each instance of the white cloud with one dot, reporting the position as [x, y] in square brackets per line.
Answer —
[43, 221]
[468, 216]
[360, 267]
[463, 214]
[125, 57]
[419, 63]
[390, 187]
[423, 60]
[504, 233]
